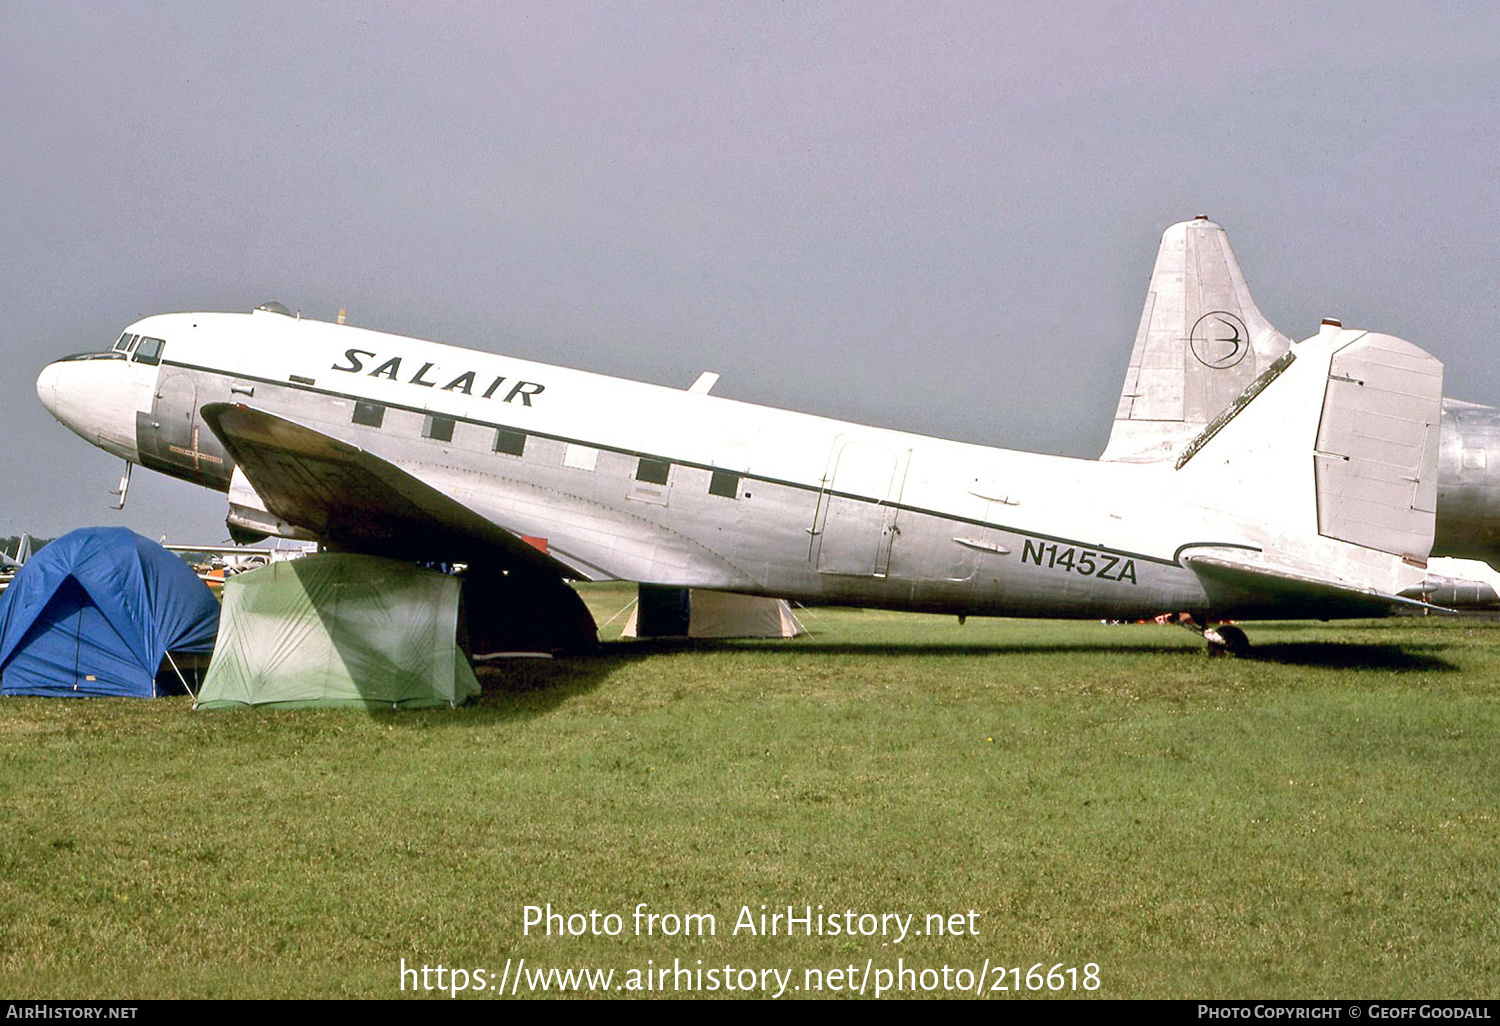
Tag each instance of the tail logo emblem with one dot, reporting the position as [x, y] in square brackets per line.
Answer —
[1218, 340]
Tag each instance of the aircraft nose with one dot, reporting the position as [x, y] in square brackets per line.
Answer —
[92, 396]
[46, 387]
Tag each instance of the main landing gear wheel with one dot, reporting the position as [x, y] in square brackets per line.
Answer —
[1226, 639]
[1222, 639]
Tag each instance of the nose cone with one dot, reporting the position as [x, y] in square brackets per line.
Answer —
[93, 396]
[46, 387]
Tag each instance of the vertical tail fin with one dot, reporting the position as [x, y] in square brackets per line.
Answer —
[23, 553]
[1201, 341]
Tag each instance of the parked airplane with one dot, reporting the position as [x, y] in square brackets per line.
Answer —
[217, 562]
[239, 558]
[23, 553]
[10, 564]
[1311, 494]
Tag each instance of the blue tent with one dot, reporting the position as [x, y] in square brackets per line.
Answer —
[94, 612]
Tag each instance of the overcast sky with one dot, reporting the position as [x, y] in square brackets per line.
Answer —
[934, 217]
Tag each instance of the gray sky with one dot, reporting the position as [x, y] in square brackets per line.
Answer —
[934, 217]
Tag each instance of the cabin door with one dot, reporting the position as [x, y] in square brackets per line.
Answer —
[173, 439]
[856, 512]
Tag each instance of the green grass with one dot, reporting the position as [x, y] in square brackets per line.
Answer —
[1320, 820]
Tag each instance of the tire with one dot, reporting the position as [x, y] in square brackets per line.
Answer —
[1230, 641]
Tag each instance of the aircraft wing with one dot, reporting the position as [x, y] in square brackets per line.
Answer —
[357, 501]
[1255, 584]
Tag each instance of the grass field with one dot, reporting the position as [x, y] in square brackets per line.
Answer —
[1319, 820]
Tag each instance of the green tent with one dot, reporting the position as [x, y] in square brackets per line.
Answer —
[335, 631]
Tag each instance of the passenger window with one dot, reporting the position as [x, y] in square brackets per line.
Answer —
[725, 484]
[512, 443]
[653, 471]
[369, 414]
[149, 351]
[580, 457]
[439, 429]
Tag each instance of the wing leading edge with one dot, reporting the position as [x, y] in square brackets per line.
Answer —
[357, 501]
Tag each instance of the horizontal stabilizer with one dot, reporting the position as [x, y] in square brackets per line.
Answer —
[353, 499]
[1251, 585]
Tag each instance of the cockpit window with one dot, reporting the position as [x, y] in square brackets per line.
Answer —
[123, 343]
[148, 351]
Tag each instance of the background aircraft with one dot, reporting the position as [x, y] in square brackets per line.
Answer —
[22, 554]
[10, 564]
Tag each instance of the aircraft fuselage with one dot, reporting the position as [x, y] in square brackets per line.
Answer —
[640, 482]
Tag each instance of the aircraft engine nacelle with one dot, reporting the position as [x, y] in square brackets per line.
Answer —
[1452, 593]
[1468, 506]
[249, 521]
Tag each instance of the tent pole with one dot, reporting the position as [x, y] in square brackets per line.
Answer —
[173, 663]
[612, 619]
